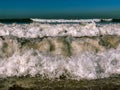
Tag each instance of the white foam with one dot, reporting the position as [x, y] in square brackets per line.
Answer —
[85, 66]
[64, 20]
[35, 30]
[88, 65]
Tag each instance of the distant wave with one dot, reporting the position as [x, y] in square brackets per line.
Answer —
[73, 20]
[56, 21]
[64, 20]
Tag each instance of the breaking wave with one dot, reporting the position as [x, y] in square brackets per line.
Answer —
[34, 30]
[76, 51]
[84, 66]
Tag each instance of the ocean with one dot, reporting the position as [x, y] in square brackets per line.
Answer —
[56, 49]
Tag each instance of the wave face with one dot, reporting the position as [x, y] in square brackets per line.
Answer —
[75, 51]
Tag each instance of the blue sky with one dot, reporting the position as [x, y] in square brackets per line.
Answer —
[59, 8]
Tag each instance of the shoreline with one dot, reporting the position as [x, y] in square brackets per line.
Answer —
[37, 83]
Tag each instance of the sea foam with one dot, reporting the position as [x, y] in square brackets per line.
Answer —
[35, 30]
[75, 51]
[84, 66]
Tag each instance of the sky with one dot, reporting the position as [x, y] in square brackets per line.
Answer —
[59, 9]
